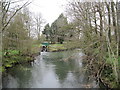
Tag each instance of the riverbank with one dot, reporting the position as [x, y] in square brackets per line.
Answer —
[63, 47]
[12, 58]
[102, 71]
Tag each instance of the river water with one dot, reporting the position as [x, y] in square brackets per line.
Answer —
[51, 70]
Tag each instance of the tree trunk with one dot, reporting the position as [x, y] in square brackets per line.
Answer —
[114, 20]
[109, 21]
[118, 23]
[95, 21]
[101, 24]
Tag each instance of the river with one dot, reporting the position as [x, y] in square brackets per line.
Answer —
[51, 70]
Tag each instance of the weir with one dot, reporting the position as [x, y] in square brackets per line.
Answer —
[45, 46]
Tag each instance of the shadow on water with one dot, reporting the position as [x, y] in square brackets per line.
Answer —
[50, 70]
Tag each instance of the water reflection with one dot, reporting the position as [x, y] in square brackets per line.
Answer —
[50, 70]
[17, 76]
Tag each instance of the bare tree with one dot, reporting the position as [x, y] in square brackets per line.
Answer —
[6, 9]
[38, 23]
[95, 21]
[114, 19]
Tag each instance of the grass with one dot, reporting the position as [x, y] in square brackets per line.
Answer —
[56, 47]
[64, 46]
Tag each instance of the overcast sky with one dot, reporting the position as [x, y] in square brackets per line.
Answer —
[50, 9]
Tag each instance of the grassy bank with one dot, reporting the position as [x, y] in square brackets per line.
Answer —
[10, 58]
[56, 47]
[63, 47]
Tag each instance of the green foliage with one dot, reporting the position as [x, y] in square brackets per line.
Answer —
[16, 40]
[12, 52]
[8, 62]
[108, 76]
[56, 32]
[110, 60]
[2, 69]
[1, 53]
[17, 35]
[8, 65]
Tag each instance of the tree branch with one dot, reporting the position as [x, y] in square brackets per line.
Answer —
[24, 5]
